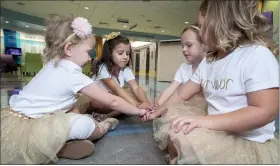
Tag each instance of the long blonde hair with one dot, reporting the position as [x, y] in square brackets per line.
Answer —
[58, 33]
[232, 23]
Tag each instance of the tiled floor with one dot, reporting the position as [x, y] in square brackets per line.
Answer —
[130, 143]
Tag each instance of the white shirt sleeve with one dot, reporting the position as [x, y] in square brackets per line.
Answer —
[179, 76]
[262, 70]
[128, 75]
[103, 72]
[197, 75]
[78, 81]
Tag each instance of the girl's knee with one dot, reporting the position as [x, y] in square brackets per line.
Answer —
[81, 127]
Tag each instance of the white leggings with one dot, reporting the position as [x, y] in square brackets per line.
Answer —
[81, 127]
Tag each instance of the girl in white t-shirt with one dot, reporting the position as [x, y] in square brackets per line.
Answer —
[240, 81]
[43, 117]
[112, 71]
[194, 51]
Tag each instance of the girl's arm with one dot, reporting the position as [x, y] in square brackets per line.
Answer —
[262, 109]
[185, 92]
[114, 102]
[165, 95]
[138, 91]
[117, 90]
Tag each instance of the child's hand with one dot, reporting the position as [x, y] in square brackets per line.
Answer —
[150, 115]
[143, 112]
[145, 105]
[155, 104]
[187, 123]
[153, 115]
[145, 117]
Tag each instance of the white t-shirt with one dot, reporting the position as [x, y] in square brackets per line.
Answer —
[184, 73]
[226, 82]
[125, 75]
[52, 89]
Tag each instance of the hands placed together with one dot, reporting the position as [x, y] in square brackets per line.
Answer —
[180, 124]
[152, 113]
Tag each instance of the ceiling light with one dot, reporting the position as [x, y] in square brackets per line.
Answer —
[44, 29]
[7, 22]
[26, 26]
[162, 30]
[125, 26]
[186, 22]
[86, 8]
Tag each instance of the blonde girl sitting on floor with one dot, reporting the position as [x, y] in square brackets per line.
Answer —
[43, 116]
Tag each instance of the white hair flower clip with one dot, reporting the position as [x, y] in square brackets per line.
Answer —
[82, 28]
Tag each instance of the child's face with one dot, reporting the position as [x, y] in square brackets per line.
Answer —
[192, 49]
[120, 55]
[80, 53]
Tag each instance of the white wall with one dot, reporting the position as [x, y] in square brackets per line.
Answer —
[170, 57]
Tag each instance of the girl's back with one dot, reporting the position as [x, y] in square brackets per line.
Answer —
[53, 88]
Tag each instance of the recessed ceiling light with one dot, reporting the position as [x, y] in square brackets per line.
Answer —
[86, 8]
[186, 22]
[125, 26]
[162, 30]
[7, 22]
[44, 29]
[26, 26]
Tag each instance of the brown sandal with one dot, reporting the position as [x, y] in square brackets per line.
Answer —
[113, 121]
[77, 149]
[113, 124]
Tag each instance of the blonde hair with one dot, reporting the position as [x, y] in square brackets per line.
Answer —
[195, 29]
[232, 23]
[58, 33]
